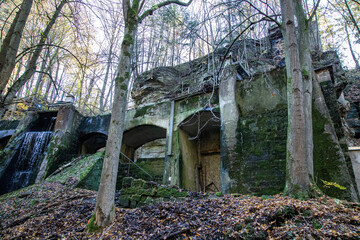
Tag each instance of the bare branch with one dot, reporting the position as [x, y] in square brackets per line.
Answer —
[160, 5]
[314, 10]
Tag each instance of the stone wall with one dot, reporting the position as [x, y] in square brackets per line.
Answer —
[137, 193]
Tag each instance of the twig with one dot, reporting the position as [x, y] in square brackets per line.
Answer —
[177, 233]
[102, 235]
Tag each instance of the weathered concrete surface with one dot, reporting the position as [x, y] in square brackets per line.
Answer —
[96, 124]
[229, 120]
[330, 163]
[63, 141]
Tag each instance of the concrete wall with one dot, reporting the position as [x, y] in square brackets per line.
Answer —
[189, 162]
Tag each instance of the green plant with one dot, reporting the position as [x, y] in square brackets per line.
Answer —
[333, 184]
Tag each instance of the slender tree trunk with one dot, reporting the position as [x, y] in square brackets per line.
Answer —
[297, 181]
[102, 99]
[11, 43]
[352, 17]
[105, 199]
[88, 92]
[350, 46]
[105, 205]
[109, 95]
[41, 74]
[150, 51]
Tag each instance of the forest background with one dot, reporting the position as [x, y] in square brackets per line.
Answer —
[79, 54]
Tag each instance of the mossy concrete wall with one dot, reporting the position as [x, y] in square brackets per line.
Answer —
[257, 165]
[96, 124]
[153, 114]
[63, 142]
[7, 129]
[137, 193]
[83, 172]
[261, 148]
[330, 162]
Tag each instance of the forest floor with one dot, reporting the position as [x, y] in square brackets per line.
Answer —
[54, 211]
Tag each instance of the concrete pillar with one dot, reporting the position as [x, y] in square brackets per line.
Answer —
[229, 119]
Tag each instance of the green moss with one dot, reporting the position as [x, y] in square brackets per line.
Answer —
[61, 144]
[327, 166]
[140, 112]
[138, 183]
[305, 74]
[298, 193]
[91, 226]
[154, 167]
[80, 170]
[127, 75]
[128, 40]
[261, 152]
[123, 87]
[170, 192]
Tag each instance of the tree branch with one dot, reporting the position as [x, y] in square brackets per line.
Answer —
[314, 10]
[160, 5]
[49, 45]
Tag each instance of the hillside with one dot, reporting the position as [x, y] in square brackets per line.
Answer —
[55, 211]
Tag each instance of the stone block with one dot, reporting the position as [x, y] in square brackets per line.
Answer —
[133, 204]
[138, 183]
[124, 200]
[136, 197]
[127, 182]
[148, 201]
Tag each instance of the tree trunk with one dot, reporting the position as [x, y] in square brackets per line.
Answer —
[352, 17]
[297, 181]
[357, 65]
[11, 43]
[105, 204]
[102, 99]
[307, 77]
[105, 199]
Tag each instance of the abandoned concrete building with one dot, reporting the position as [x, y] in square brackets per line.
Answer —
[203, 133]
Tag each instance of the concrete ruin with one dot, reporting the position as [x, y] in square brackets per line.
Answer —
[222, 134]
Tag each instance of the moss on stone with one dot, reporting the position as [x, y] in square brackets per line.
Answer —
[327, 164]
[80, 171]
[170, 192]
[261, 150]
[138, 183]
[140, 112]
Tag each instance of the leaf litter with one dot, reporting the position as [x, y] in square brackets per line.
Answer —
[55, 211]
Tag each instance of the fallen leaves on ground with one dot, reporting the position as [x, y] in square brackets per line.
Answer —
[54, 211]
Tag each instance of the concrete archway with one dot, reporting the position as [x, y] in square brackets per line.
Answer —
[199, 137]
[145, 145]
[92, 142]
